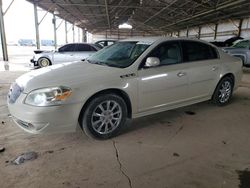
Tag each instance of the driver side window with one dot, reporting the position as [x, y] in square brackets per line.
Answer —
[168, 53]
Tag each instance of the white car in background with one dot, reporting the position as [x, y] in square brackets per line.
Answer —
[129, 79]
[67, 53]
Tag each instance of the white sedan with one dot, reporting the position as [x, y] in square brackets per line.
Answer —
[130, 79]
[67, 53]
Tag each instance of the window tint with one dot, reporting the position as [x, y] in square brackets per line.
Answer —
[84, 47]
[67, 48]
[121, 54]
[101, 43]
[242, 44]
[168, 53]
[195, 51]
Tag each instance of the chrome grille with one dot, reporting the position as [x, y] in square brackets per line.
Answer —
[14, 93]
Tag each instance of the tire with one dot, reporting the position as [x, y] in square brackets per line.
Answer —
[98, 122]
[43, 62]
[223, 92]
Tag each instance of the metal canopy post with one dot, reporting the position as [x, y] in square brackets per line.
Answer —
[37, 26]
[78, 34]
[73, 29]
[85, 35]
[215, 31]
[66, 32]
[199, 32]
[54, 24]
[240, 27]
[2, 31]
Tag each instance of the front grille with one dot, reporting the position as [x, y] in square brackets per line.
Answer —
[14, 93]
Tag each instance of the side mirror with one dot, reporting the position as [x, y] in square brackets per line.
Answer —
[152, 62]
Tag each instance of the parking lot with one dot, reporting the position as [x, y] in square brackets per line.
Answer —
[197, 146]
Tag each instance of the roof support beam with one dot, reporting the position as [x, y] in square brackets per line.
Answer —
[43, 15]
[206, 12]
[107, 13]
[8, 7]
[101, 5]
[59, 24]
[167, 6]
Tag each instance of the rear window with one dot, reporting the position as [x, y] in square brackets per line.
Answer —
[197, 51]
[67, 48]
[84, 48]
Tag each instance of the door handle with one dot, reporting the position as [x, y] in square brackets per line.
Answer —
[180, 74]
[214, 68]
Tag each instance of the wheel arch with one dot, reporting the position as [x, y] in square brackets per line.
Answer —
[116, 91]
[230, 75]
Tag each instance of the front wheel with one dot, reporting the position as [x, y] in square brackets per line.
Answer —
[223, 92]
[43, 62]
[105, 116]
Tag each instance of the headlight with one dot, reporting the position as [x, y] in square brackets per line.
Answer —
[48, 96]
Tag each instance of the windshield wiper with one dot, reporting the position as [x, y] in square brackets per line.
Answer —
[114, 65]
[96, 62]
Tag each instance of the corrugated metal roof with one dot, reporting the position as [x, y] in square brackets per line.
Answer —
[149, 16]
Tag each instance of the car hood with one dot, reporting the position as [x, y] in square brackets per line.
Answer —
[229, 49]
[65, 74]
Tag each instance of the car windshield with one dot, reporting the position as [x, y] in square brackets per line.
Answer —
[242, 44]
[120, 54]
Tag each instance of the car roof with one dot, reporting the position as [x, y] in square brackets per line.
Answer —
[79, 43]
[151, 40]
[108, 40]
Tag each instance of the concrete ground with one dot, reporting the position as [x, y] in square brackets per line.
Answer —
[200, 146]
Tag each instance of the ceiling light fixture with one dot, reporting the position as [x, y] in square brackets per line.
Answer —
[56, 12]
[125, 26]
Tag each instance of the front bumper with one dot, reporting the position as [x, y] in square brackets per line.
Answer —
[33, 64]
[53, 119]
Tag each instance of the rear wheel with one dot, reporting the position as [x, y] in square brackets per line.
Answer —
[105, 116]
[43, 62]
[223, 92]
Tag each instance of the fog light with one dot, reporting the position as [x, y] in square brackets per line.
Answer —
[30, 126]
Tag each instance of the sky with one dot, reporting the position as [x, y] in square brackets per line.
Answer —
[20, 23]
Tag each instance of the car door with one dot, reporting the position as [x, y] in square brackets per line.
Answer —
[83, 51]
[165, 84]
[64, 54]
[203, 68]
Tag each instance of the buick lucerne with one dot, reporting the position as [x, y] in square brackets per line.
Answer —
[129, 79]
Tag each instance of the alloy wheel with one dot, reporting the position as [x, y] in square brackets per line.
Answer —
[225, 91]
[106, 117]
